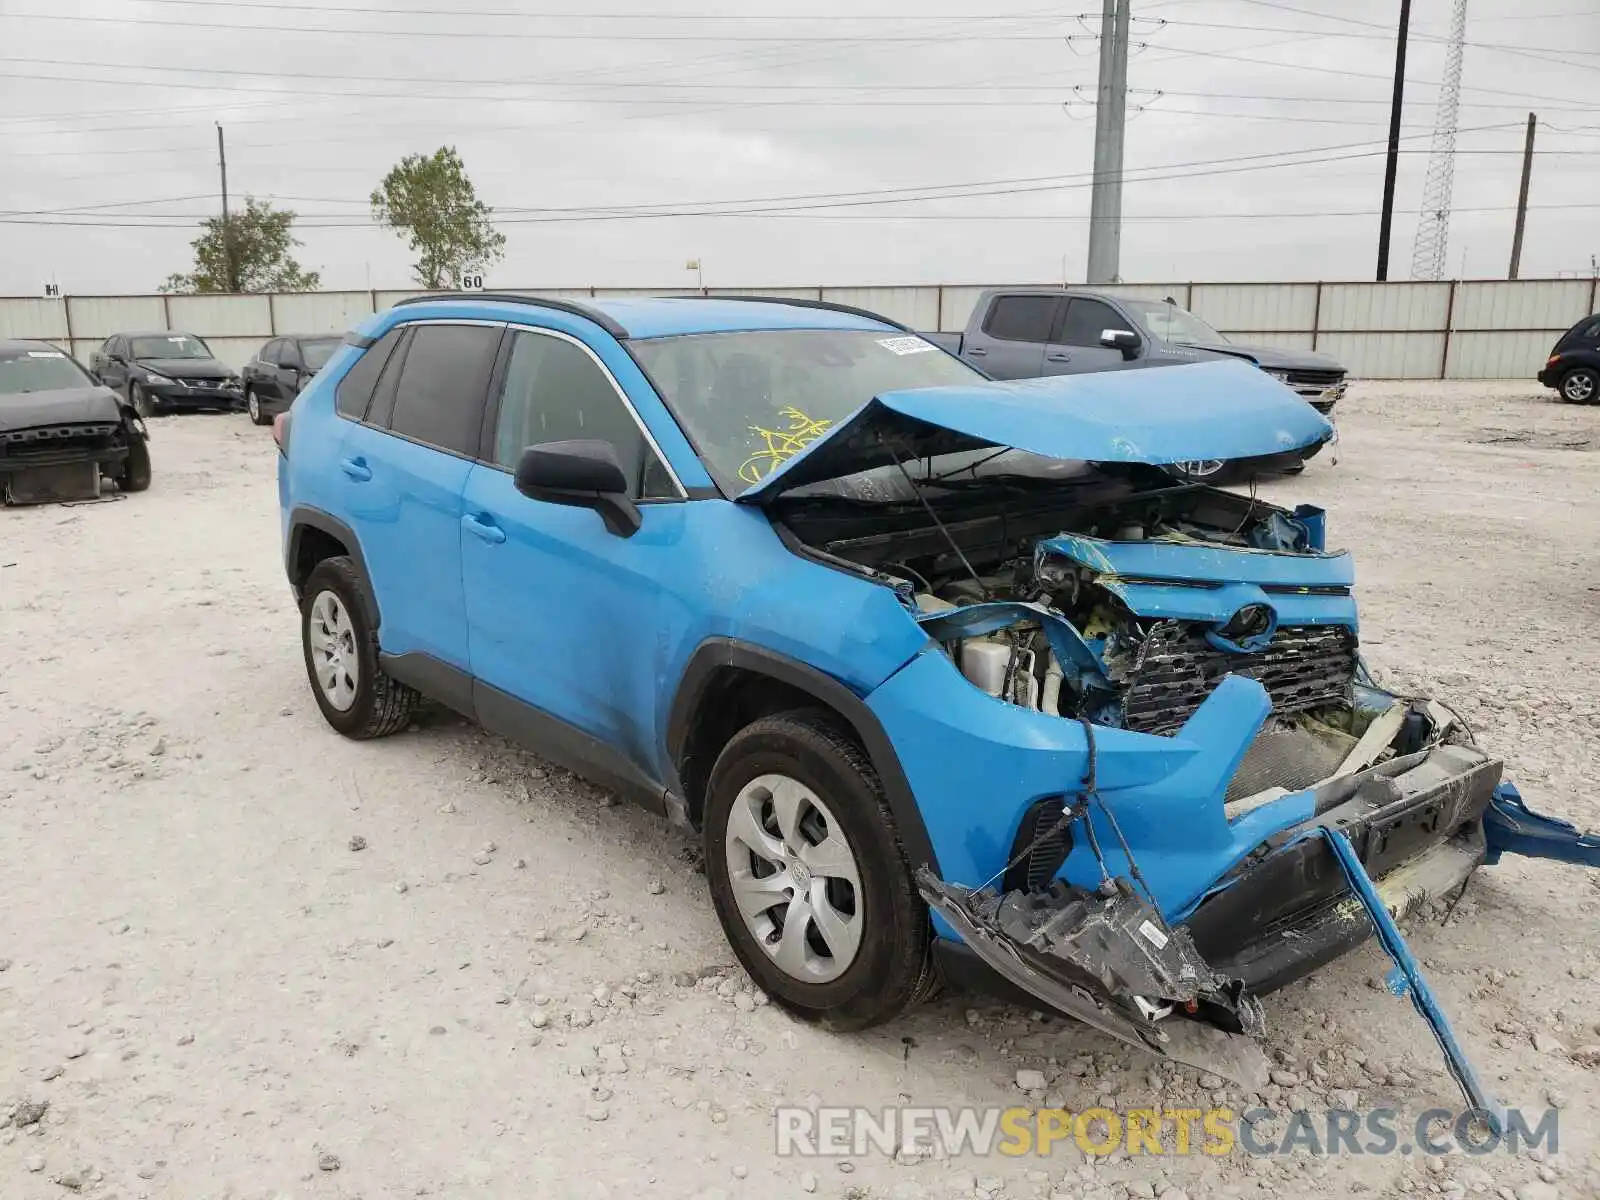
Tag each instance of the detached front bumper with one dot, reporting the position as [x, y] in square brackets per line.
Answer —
[177, 394]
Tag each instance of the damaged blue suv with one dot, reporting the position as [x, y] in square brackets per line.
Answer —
[955, 678]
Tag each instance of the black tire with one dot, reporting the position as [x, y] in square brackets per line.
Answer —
[1581, 385]
[893, 968]
[382, 705]
[256, 414]
[135, 474]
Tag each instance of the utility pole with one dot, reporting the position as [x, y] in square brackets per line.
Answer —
[1522, 197]
[227, 227]
[1110, 123]
[1393, 164]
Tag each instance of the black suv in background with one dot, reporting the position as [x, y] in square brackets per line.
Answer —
[281, 368]
[1573, 367]
[162, 371]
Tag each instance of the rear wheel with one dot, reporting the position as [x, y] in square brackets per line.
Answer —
[340, 644]
[808, 876]
[1581, 385]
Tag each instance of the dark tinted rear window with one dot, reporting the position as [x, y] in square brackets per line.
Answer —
[1022, 318]
[440, 396]
[355, 389]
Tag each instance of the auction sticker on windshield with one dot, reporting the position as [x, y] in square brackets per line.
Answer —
[905, 345]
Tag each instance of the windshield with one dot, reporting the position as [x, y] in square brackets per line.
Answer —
[170, 345]
[751, 401]
[42, 370]
[1173, 324]
[318, 351]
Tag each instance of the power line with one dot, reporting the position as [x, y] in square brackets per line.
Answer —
[506, 14]
[543, 36]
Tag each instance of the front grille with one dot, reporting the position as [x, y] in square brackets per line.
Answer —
[1314, 379]
[205, 385]
[53, 440]
[1175, 669]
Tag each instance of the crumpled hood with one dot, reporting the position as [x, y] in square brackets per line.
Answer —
[70, 406]
[1275, 358]
[185, 368]
[1220, 409]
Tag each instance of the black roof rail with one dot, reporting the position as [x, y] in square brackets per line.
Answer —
[587, 311]
[829, 305]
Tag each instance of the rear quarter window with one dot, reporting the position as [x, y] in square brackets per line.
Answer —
[354, 392]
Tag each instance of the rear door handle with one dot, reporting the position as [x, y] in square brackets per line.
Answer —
[483, 526]
[977, 352]
[357, 469]
[1058, 357]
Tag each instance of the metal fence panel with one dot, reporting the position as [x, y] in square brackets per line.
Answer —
[1386, 307]
[27, 317]
[1285, 307]
[1148, 291]
[98, 317]
[1548, 304]
[319, 312]
[220, 316]
[1386, 355]
[235, 351]
[1498, 355]
[917, 307]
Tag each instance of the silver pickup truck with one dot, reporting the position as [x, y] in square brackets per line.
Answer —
[1024, 333]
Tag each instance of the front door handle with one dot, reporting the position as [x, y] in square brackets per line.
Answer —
[483, 526]
[1058, 356]
[977, 352]
[357, 469]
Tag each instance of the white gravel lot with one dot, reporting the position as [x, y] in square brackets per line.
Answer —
[219, 997]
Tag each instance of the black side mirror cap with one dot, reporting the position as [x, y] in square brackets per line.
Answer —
[583, 473]
[1125, 340]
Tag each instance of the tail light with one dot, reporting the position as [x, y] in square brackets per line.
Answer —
[280, 433]
[1552, 360]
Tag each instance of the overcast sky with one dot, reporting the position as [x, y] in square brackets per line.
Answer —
[1254, 148]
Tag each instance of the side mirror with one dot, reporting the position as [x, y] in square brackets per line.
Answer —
[583, 473]
[1121, 339]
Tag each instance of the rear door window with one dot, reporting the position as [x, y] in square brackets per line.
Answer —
[1022, 318]
[354, 392]
[443, 384]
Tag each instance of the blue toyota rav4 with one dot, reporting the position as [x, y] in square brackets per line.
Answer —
[954, 678]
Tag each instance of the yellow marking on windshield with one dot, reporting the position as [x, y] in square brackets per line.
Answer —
[780, 445]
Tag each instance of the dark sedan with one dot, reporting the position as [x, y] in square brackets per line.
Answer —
[281, 368]
[159, 372]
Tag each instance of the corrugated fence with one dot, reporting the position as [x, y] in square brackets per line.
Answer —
[1470, 329]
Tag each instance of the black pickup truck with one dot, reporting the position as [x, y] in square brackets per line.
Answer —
[1024, 333]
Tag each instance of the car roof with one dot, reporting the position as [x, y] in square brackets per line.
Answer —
[305, 337]
[23, 345]
[157, 333]
[660, 316]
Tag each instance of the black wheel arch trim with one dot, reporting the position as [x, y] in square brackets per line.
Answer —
[303, 517]
[717, 653]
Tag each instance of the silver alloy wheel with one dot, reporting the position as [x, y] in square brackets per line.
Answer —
[252, 403]
[794, 878]
[1578, 387]
[334, 659]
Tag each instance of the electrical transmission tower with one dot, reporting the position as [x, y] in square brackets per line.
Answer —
[1433, 227]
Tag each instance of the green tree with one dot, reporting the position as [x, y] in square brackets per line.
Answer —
[248, 253]
[429, 199]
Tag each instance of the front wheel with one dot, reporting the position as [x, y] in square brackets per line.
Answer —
[808, 877]
[1581, 385]
[135, 474]
[140, 401]
[252, 405]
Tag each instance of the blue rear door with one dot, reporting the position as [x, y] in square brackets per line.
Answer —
[403, 471]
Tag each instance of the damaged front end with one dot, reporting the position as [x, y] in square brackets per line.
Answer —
[1133, 834]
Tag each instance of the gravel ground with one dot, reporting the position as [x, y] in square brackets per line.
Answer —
[241, 957]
